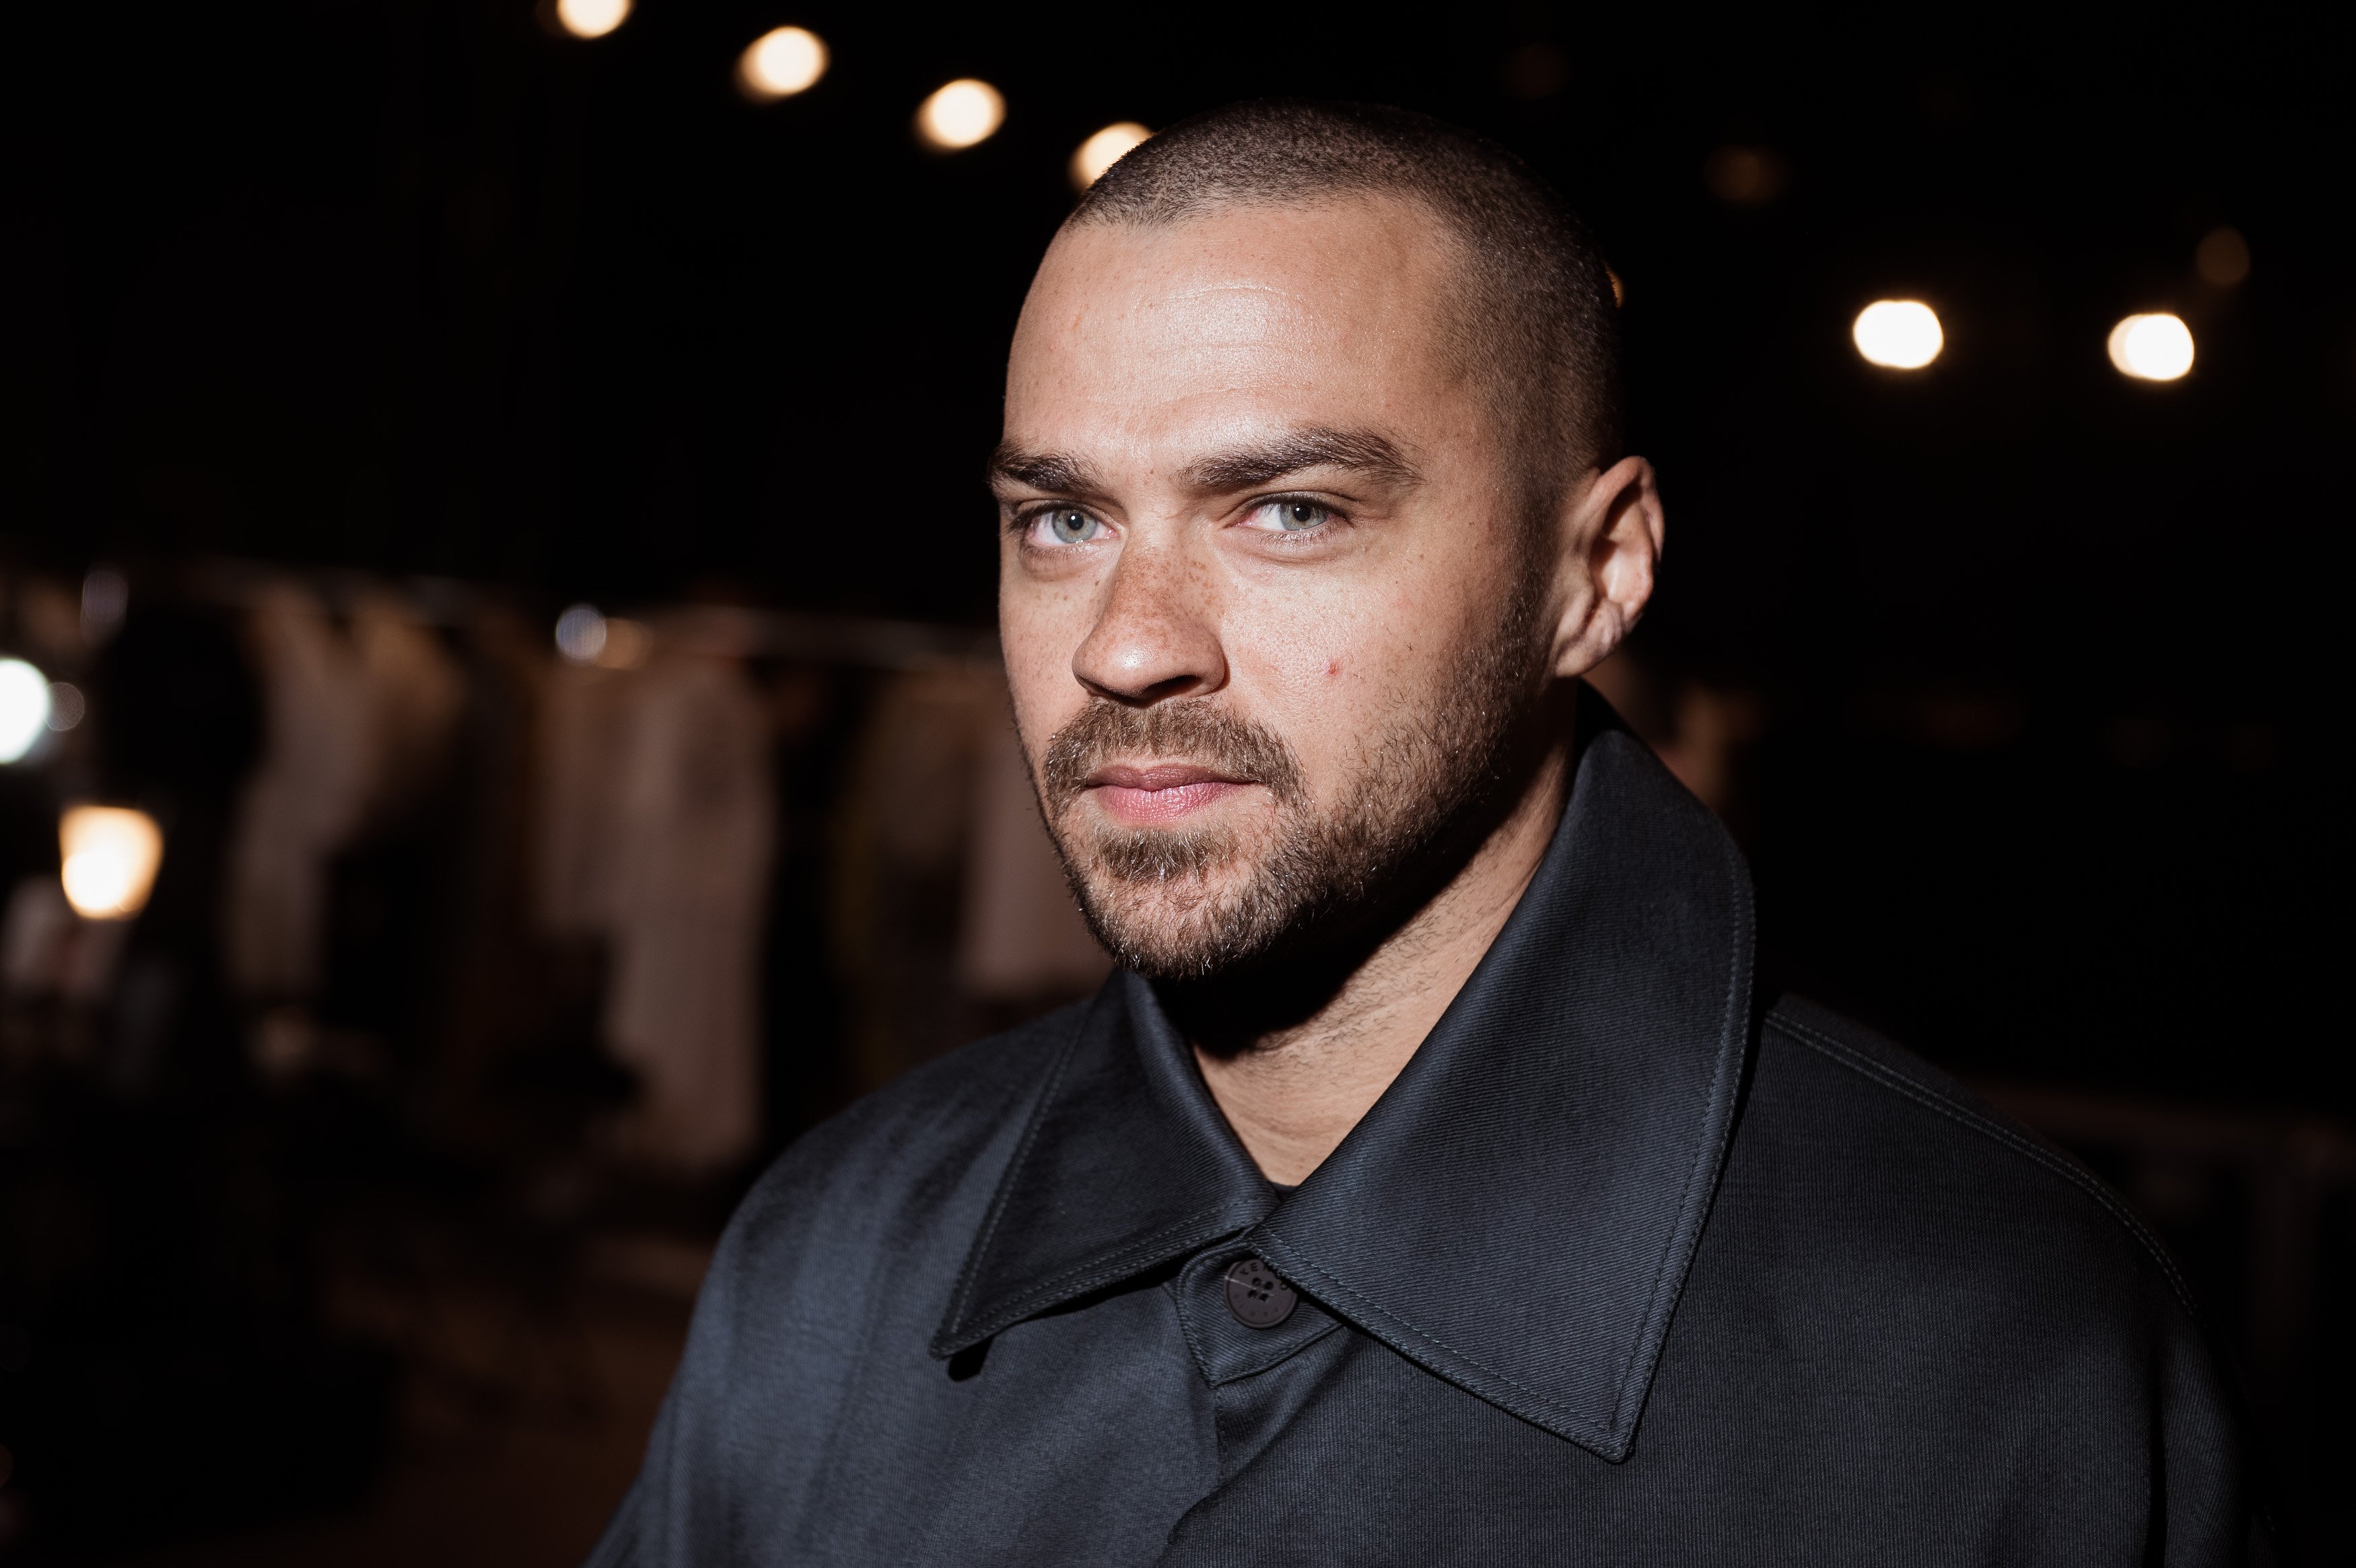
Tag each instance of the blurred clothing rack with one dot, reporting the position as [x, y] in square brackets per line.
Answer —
[713, 630]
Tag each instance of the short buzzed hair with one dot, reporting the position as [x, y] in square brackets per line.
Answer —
[1536, 318]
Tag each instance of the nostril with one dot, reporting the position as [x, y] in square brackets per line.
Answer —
[1147, 694]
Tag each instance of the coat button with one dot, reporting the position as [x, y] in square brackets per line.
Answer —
[1256, 1298]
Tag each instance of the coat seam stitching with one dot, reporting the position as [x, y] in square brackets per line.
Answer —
[1864, 1066]
[1556, 1411]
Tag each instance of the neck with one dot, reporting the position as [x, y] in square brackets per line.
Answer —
[1294, 1073]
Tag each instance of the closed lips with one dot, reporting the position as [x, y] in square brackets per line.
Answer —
[1162, 794]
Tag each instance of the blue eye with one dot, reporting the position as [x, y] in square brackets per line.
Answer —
[1290, 517]
[1067, 527]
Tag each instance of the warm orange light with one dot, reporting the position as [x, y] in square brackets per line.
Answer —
[592, 19]
[781, 63]
[107, 859]
[2154, 347]
[964, 113]
[1103, 150]
[1897, 334]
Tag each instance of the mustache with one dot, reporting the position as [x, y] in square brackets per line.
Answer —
[1104, 732]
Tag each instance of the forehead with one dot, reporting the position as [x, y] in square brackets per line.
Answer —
[1334, 314]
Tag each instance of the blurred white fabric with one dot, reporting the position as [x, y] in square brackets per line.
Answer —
[355, 725]
[582, 714]
[658, 821]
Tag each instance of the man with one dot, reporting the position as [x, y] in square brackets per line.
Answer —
[1427, 1185]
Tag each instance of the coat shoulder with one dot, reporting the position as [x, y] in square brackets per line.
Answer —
[1935, 1155]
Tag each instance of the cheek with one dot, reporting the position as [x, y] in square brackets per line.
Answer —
[1039, 628]
[1330, 671]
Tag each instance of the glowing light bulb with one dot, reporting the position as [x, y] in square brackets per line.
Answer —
[781, 63]
[1103, 150]
[1899, 334]
[2154, 347]
[592, 19]
[25, 707]
[964, 113]
[108, 856]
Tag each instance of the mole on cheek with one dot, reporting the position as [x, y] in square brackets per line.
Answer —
[1332, 668]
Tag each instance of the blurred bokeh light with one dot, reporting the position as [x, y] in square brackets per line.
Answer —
[68, 707]
[23, 707]
[1897, 334]
[780, 63]
[1745, 177]
[107, 860]
[2156, 347]
[964, 113]
[1103, 150]
[106, 596]
[2223, 257]
[581, 634]
[592, 19]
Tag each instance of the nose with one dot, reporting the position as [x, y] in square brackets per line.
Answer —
[1155, 637]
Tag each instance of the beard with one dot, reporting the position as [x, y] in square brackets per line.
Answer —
[1197, 903]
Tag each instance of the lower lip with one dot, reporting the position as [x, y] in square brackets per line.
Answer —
[1147, 807]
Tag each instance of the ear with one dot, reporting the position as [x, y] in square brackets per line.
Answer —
[1611, 538]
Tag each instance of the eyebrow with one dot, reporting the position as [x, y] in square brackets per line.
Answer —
[1355, 451]
[1057, 473]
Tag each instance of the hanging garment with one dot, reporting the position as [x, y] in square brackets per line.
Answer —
[303, 801]
[583, 717]
[416, 693]
[661, 819]
[357, 726]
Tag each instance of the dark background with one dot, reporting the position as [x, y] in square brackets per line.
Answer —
[2041, 663]
[423, 288]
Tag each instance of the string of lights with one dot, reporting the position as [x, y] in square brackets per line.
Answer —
[1897, 334]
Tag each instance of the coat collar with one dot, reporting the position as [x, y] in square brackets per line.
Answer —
[1517, 1211]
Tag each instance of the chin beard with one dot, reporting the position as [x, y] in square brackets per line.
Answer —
[1195, 905]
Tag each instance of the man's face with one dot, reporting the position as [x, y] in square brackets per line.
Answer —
[1266, 585]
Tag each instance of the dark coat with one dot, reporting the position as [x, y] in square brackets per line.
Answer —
[1621, 1269]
